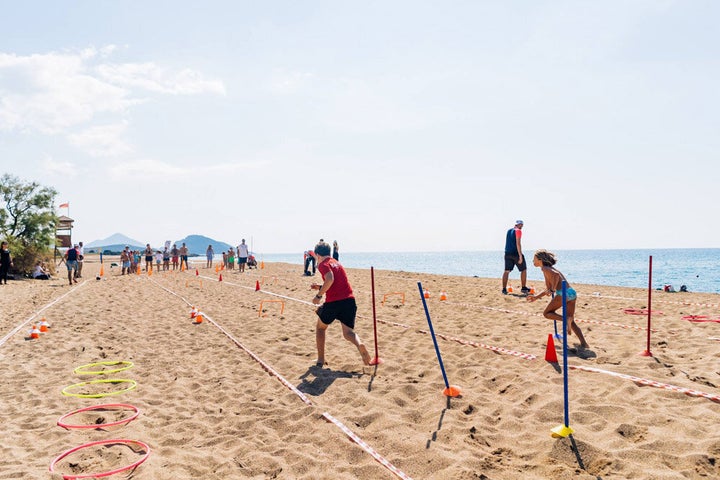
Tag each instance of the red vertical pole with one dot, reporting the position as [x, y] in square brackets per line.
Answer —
[647, 352]
[377, 360]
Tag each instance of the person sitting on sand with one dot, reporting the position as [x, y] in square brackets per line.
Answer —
[553, 286]
[40, 273]
[339, 304]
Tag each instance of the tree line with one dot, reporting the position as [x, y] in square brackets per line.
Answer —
[27, 221]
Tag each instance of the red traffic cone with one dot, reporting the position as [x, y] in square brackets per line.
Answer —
[257, 285]
[550, 354]
[220, 278]
[34, 332]
[426, 294]
[44, 325]
[193, 312]
[196, 272]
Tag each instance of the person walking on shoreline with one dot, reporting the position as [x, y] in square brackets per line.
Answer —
[339, 304]
[514, 257]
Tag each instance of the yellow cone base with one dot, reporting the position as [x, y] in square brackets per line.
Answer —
[561, 431]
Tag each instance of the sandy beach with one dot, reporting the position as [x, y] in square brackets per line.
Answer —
[238, 396]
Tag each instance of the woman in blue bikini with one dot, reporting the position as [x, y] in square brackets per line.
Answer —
[553, 286]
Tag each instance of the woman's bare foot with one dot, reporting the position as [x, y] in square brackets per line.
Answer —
[364, 353]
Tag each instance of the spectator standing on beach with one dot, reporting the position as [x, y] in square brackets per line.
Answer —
[336, 250]
[81, 259]
[243, 254]
[71, 262]
[184, 256]
[158, 260]
[166, 259]
[339, 304]
[148, 257]
[5, 262]
[125, 261]
[174, 252]
[553, 286]
[309, 258]
[209, 254]
[514, 257]
[231, 258]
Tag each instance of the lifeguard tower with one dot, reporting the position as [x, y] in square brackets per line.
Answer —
[63, 235]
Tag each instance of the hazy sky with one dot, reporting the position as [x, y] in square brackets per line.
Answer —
[387, 125]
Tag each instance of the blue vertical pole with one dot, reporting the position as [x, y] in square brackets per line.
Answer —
[432, 334]
[565, 356]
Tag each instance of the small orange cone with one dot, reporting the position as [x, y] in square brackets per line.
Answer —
[44, 325]
[102, 270]
[262, 265]
[257, 285]
[426, 294]
[217, 267]
[138, 269]
[34, 332]
[509, 289]
[199, 318]
[550, 354]
[532, 290]
[443, 295]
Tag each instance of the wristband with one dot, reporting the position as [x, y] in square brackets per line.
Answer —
[319, 297]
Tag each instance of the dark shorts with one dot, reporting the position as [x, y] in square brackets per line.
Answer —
[511, 261]
[148, 258]
[242, 260]
[343, 310]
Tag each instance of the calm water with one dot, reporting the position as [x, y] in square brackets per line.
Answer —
[699, 269]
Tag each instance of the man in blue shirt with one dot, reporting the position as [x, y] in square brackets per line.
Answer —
[514, 257]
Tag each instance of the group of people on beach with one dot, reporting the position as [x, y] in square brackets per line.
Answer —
[131, 260]
[241, 253]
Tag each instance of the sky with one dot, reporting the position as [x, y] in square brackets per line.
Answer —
[406, 125]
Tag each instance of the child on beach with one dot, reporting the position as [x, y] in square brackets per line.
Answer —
[553, 286]
[339, 304]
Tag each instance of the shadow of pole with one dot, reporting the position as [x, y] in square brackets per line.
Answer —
[372, 377]
[442, 415]
[576, 451]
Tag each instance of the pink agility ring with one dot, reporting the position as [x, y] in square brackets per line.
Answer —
[107, 406]
[71, 476]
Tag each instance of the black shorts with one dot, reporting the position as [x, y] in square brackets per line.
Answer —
[343, 310]
[512, 260]
[242, 260]
[148, 258]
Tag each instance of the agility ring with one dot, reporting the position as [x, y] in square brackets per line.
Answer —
[81, 370]
[66, 391]
[107, 406]
[72, 476]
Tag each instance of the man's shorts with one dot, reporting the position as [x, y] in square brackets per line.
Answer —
[71, 265]
[343, 310]
[242, 260]
[511, 261]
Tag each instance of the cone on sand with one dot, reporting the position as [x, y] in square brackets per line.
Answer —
[44, 325]
[443, 295]
[196, 272]
[426, 294]
[102, 270]
[220, 278]
[550, 354]
[34, 332]
[199, 318]
[193, 312]
[257, 285]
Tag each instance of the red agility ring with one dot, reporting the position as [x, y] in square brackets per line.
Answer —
[71, 476]
[99, 407]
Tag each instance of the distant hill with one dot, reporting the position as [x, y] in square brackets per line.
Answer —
[113, 243]
[197, 244]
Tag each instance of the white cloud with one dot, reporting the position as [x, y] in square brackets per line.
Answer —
[102, 140]
[154, 78]
[54, 167]
[153, 169]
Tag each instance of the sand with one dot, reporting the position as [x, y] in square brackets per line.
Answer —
[238, 395]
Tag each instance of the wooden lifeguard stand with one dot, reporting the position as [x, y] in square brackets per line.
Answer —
[63, 235]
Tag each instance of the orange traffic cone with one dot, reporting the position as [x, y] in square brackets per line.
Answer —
[550, 354]
[532, 290]
[44, 325]
[262, 265]
[257, 285]
[443, 295]
[102, 270]
[34, 332]
[193, 312]
[509, 289]
[426, 294]
[199, 318]
[138, 269]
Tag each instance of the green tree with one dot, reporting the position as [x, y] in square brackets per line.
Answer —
[27, 220]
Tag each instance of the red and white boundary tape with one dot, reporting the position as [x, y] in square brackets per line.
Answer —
[654, 300]
[22, 325]
[651, 383]
[297, 392]
[527, 356]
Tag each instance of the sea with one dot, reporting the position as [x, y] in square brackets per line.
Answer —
[696, 268]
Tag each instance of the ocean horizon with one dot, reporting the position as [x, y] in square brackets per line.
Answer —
[697, 268]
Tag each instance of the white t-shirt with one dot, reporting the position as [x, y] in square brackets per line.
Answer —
[243, 250]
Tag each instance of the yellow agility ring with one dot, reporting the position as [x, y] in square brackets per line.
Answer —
[81, 369]
[66, 391]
